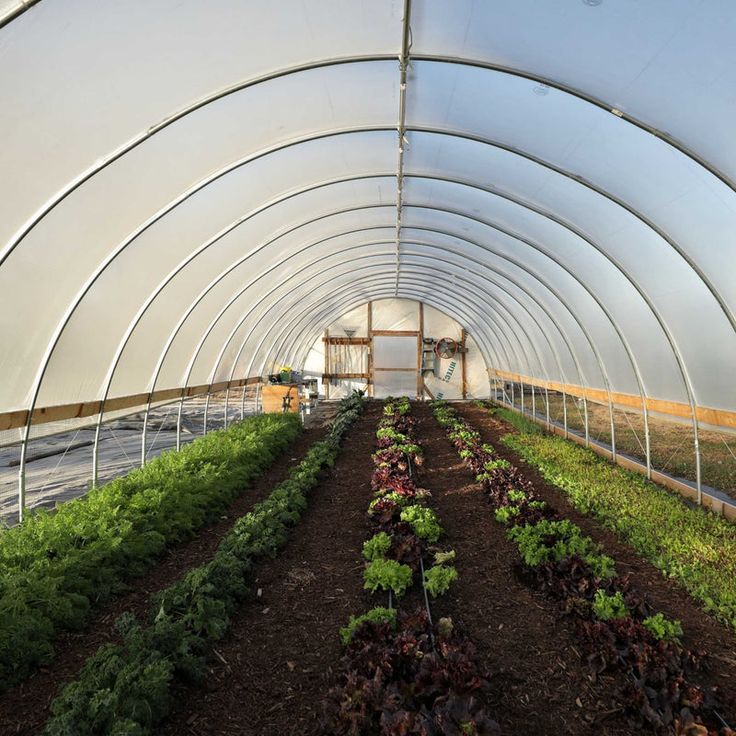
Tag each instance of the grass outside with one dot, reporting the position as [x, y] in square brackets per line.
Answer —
[672, 445]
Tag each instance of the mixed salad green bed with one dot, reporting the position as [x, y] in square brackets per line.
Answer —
[687, 543]
[617, 628]
[57, 565]
[126, 689]
[400, 673]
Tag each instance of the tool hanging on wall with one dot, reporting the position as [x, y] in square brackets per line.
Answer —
[430, 359]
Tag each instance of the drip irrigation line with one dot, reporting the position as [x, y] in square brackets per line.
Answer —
[721, 719]
[424, 589]
[426, 602]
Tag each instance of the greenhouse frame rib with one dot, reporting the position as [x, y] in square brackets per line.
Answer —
[584, 212]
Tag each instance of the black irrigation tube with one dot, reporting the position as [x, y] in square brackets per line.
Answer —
[426, 600]
[421, 570]
[376, 677]
[424, 589]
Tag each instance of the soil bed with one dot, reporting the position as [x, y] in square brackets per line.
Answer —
[274, 665]
[702, 632]
[25, 708]
[539, 685]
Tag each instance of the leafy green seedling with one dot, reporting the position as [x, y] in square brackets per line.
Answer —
[377, 546]
[609, 607]
[423, 521]
[387, 575]
[662, 627]
[376, 615]
[437, 579]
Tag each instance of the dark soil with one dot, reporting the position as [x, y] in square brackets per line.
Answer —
[272, 668]
[702, 632]
[25, 708]
[539, 685]
[270, 673]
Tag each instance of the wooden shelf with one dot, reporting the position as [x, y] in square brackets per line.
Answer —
[347, 340]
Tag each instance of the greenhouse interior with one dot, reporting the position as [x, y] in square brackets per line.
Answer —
[368, 368]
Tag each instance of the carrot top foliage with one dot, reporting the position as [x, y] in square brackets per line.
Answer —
[58, 565]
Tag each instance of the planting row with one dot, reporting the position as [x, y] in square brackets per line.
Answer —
[56, 566]
[618, 630]
[126, 688]
[687, 543]
[401, 673]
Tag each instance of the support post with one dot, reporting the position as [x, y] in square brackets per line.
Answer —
[22, 476]
[144, 434]
[242, 402]
[613, 432]
[698, 473]
[521, 387]
[178, 423]
[206, 412]
[96, 445]
[227, 400]
[564, 412]
[647, 439]
[534, 404]
[546, 401]
[420, 347]
[328, 349]
[369, 367]
[585, 417]
[96, 452]
[463, 367]
[513, 398]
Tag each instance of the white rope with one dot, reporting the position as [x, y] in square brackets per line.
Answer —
[728, 448]
[158, 432]
[633, 431]
[56, 467]
[122, 449]
[675, 451]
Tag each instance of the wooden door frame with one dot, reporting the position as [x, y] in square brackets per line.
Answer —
[397, 333]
